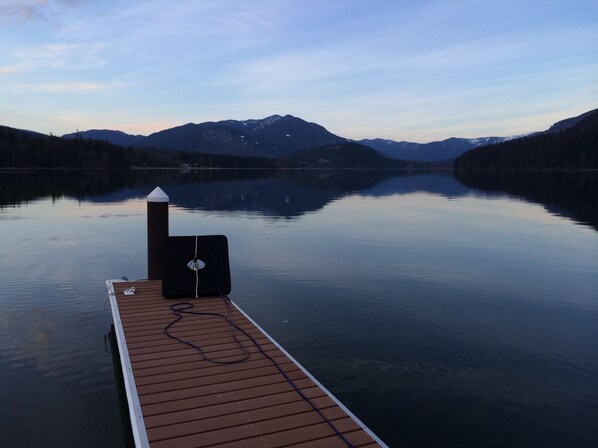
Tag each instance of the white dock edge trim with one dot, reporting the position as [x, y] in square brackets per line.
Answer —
[336, 400]
[135, 414]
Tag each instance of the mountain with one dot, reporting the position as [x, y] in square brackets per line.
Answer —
[277, 136]
[26, 149]
[345, 155]
[453, 147]
[568, 122]
[23, 133]
[273, 136]
[574, 147]
[115, 137]
[288, 134]
[214, 138]
[430, 152]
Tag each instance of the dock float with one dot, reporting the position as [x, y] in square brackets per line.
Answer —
[177, 398]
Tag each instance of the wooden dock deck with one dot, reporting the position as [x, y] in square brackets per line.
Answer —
[176, 398]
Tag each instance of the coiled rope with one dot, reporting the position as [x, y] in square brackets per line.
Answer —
[184, 308]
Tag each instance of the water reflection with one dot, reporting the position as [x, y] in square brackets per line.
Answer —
[442, 311]
[290, 194]
[565, 193]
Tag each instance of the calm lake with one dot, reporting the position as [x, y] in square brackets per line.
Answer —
[443, 312]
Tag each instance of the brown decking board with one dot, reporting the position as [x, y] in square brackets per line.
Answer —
[186, 401]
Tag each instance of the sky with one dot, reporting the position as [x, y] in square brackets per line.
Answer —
[404, 70]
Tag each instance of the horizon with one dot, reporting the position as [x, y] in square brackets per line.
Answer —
[280, 115]
[419, 73]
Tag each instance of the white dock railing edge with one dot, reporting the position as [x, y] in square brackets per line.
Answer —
[310, 376]
[135, 414]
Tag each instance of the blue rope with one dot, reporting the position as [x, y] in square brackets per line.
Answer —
[178, 309]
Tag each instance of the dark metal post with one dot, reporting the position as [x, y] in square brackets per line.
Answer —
[157, 231]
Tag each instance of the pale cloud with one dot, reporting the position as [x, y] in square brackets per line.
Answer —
[11, 70]
[364, 63]
[289, 69]
[418, 71]
[187, 24]
[65, 87]
[61, 55]
[21, 11]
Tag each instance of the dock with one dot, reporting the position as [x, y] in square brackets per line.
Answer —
[178, 398]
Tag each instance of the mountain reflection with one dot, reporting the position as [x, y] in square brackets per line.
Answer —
[572, 194]
[290, 194]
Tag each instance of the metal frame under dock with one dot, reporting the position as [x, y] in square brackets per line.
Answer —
[177, 398]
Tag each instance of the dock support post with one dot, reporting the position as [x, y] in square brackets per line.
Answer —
[157, 231]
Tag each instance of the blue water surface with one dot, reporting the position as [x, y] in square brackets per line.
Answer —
[442, 314]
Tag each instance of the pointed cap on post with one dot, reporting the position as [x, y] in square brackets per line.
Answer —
[157, 231]
[157, 195]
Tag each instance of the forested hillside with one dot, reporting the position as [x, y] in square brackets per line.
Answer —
[573, 148]
[21, 149]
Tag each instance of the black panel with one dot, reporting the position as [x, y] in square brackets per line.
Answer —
[178, 280]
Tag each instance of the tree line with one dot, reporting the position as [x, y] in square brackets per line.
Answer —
[23, 149]
[572, 148]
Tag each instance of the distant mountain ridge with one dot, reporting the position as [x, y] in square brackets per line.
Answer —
[562, 148]
[345, 155]
[277, 136]
[568, 122]
[115, 137]
[453, 147]
[429, 152]
[273, 136]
